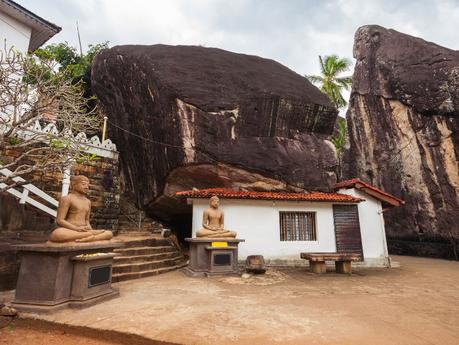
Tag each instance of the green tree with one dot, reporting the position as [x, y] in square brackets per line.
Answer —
[76, 66]
[330, 81]
[339, 140]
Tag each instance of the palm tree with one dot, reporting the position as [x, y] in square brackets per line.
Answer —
[329, 81]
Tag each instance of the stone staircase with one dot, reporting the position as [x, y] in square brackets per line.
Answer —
[145, 252]
[144, 256]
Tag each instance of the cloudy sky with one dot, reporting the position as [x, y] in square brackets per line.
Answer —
[293, 32]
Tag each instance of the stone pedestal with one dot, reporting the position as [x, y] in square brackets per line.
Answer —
[209, 257]
[52, 277]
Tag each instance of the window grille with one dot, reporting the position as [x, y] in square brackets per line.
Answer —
[297, 226]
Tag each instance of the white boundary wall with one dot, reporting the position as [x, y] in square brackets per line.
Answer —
[257, 221]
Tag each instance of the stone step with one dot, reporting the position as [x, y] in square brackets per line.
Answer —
[147, 265]
[146, 241]
[118, 277]
[132, 251]
[142, 239]
[134, 232]
[133, 226]
[122, 259]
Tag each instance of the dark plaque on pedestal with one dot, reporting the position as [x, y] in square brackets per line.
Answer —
[222, 259]
[99, 275]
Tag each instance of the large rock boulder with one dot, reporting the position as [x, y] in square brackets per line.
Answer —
[186, 116]
[403, 129]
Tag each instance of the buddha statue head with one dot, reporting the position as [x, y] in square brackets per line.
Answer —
[214, 202]
[80, 184]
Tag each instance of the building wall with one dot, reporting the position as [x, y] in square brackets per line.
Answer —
[15, 33]
[257, 221]
[371, 227]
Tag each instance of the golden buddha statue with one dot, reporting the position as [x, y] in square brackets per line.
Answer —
[73, 216]
[213, 222]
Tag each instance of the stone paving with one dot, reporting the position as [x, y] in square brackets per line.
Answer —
[413, 304]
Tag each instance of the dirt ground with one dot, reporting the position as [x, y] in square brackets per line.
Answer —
[38, 332]
[414, 304]
[19, 334]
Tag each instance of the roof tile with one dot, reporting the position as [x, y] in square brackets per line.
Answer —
[354, 181]
[233, 194]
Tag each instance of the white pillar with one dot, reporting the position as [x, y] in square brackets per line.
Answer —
[66, 181]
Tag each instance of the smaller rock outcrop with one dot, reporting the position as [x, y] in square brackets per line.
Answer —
[403, 123]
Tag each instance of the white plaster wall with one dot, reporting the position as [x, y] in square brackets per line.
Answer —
[16, 33]
[371, 227]
[257, 221]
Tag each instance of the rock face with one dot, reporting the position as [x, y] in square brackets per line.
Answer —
[404, 131]
[186, 116]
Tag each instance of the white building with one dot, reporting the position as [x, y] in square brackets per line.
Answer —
[280, 226]
[22, 29]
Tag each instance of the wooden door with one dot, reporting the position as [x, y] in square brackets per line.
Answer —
[347, 229]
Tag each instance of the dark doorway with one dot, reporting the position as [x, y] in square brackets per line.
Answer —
[347, 229]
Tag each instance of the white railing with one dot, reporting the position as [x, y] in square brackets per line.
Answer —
[30, 188]
[91, 145]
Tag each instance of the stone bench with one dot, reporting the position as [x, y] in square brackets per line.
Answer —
[342, 261]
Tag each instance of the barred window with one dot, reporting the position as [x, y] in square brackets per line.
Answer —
[297, 226]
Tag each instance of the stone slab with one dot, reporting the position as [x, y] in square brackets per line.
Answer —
[331, 256]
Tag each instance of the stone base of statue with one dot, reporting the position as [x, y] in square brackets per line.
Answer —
[52, 277]
[212, 256]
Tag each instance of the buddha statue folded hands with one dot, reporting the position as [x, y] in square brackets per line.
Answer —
[73, 216]
[213, 222]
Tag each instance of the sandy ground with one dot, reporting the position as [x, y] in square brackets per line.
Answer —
[39, 332]
[414, 304]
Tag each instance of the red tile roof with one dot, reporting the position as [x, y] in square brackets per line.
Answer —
[233, 194]
[359, 184]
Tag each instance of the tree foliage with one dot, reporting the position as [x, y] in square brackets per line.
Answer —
[339, 141]
[77, 67]
[35, 89]
[330, 81]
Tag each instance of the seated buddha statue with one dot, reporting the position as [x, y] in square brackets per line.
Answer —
[73, 216]
[213, 222]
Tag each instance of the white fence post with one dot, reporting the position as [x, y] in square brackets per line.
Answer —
[25, 194]
[66, 181]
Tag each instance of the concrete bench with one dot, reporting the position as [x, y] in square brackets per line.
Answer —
[342, 261]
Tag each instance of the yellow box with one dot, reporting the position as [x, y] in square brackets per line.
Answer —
[219, 244]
